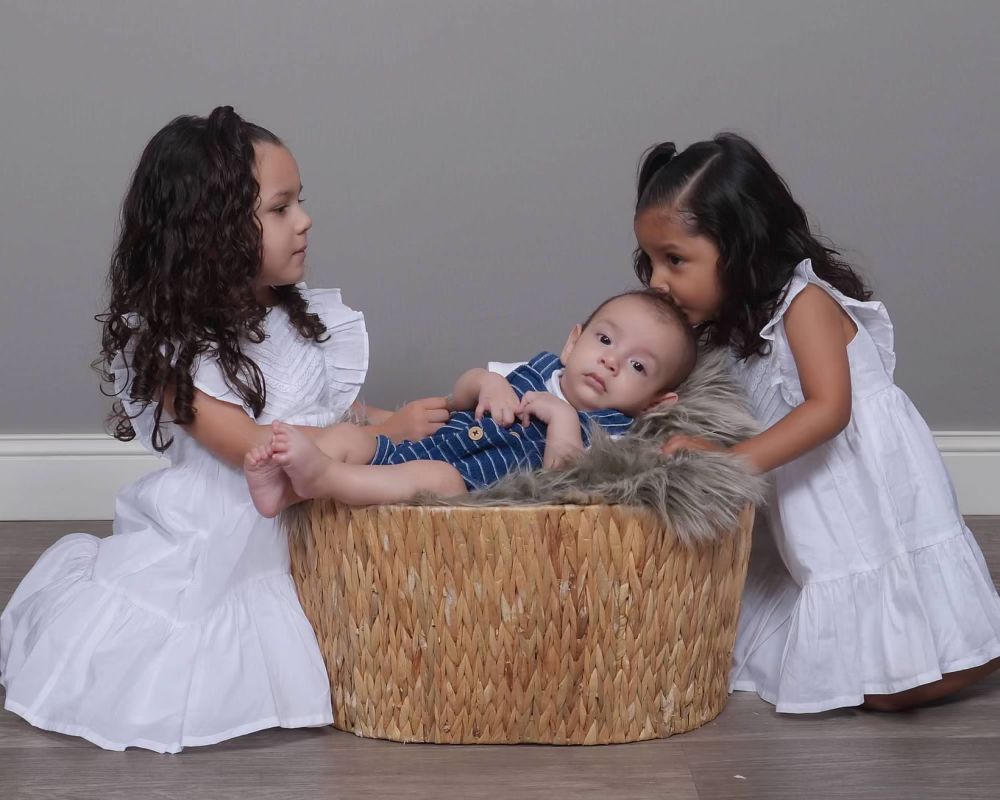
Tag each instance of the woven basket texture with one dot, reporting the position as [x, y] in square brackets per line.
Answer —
[552, 624]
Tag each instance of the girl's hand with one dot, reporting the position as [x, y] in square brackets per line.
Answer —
[496, 397]
[415, 420]
[545, 407]
[690, 444]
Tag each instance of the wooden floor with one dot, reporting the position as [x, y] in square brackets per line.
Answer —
[947, 752]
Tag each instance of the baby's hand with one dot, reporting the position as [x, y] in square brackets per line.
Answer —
[498, 398]
[546, 407]
[416, 419]
[560, 452]
[691, 444]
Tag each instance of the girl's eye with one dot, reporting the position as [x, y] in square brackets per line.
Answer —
[638, 367]
[280, 209]
[603, 338]
[674, 260]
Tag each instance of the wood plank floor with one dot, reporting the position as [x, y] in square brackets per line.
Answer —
[947, 752]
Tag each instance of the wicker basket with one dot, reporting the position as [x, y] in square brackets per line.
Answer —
[554, 624]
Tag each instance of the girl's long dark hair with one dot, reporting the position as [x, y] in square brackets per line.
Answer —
[724, 189]
[182, 274]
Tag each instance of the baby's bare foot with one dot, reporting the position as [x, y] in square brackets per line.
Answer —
[303, 462]
[270, 489]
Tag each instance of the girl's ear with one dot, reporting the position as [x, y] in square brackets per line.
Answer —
[570, 343]
[666, 399]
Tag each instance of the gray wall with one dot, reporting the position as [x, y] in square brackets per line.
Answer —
[470, 165]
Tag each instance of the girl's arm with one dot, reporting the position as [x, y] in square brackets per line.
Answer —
[225, 430]
[370, 414]
[415, 420]
[818, 332]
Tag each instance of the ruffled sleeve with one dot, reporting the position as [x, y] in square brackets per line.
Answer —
[870, 315]
[208, 377]
[345, 351]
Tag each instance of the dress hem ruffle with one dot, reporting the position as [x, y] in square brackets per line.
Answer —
[950, 571]
[66, 570]
[982, 657]
[310, 721]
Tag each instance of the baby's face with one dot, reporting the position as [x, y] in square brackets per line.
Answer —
[623, 359]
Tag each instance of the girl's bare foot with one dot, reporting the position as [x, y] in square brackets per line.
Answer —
[303, 462]
[270, 489]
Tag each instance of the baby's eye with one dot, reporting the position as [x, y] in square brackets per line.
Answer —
[638, 366]
[603, 338]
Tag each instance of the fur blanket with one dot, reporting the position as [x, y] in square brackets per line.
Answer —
[699, 496]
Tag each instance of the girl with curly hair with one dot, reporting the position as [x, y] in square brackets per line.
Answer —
[865, 585]
[184, 627]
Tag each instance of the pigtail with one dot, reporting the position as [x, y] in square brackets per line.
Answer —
[652, 161]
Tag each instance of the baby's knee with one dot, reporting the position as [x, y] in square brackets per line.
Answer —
[347, 442]
[444, 480]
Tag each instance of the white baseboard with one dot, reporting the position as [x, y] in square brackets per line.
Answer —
[76, 476]
[67, 476]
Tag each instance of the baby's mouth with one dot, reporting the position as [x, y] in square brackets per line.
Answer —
[594, 382]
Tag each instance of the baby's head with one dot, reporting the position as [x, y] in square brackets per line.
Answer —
[630, 354]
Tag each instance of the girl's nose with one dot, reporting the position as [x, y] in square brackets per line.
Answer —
[657, 282]
[306, 223]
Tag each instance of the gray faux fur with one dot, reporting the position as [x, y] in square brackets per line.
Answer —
[697, 495]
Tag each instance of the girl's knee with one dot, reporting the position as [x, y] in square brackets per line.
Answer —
[949, 683]
[885, 702]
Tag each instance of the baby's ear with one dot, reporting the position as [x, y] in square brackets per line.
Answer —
[667, 399]
[574, 335]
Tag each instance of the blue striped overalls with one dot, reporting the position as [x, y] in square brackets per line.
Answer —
[484, 451]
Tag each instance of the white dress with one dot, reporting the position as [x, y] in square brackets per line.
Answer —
[863, 577]
[184, 626]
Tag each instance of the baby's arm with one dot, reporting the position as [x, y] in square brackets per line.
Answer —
[818, 332]
[563, 438]
[485, 391]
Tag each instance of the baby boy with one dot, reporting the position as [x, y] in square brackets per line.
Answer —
[629, 356]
